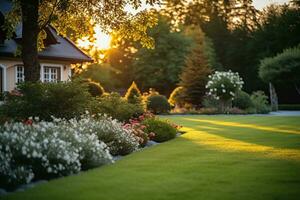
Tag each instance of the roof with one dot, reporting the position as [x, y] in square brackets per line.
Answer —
[63, 49]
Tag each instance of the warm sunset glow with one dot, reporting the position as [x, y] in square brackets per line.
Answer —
[100, 40]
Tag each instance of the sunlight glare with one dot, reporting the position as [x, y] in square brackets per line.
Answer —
[100, 40]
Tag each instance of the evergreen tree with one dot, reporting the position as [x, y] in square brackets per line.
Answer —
[195, 73]
[133, 94]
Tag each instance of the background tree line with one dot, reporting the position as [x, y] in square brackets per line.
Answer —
[236, 35]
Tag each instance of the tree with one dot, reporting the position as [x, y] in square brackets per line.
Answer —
[101, 73]
[66, 16]
[195, 73]
[133, 94]
[160, 67]
[283, 68]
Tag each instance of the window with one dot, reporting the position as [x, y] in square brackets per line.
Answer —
[19, 73]
[52, 74]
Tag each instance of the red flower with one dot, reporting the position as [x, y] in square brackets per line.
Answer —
[28, 122]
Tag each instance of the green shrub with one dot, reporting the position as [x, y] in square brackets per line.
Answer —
[158, 104]
[95, 89]
[242, 100]
[133, 94]
[289, 107]
[210, 102]
[116, 107]
[208, 111]
[163, 131]
[177, 97]
[260, 102]
[44, 100]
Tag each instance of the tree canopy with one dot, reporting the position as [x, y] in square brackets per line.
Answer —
[283, 68]
[73, 17]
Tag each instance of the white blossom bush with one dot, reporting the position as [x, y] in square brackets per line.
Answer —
[223, 86]
[121, 141]
[45, 150]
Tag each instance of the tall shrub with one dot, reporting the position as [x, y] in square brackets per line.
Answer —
[133, 94]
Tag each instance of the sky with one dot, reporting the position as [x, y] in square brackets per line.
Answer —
[259, 4]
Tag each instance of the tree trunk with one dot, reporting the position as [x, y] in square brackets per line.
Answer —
[30, 30]
[273, 98]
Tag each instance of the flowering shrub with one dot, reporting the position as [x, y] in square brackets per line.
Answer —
[223, 86]
[139, 130]
[46, 150]
[120, 141]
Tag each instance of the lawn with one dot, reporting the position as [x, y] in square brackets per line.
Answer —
[220, 157]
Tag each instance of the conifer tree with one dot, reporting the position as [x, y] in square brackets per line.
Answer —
[196, 70]
[133, 94]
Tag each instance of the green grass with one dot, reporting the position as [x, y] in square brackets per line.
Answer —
[220, 157]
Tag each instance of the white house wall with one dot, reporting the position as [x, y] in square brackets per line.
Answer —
[9, 66]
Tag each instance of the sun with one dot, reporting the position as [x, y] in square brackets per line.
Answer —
[99, 40]
[102, 40]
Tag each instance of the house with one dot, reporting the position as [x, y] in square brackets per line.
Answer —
[55, 59]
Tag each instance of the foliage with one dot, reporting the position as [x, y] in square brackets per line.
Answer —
[210, 102]
[44, 100]
[163, 130]
[138, 129]
[283, 68]
[100, 73]
[66, 16]
[177, 97]
[119, 140]
[94, 88]
[197, 68]
[43, 150]
[224, 85]
[243, 35]
[158, 67]
[242, 100]
[260, 102]
[158, 104]
[133, 94]
[116, 107]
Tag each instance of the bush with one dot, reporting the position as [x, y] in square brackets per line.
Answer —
[242, 100]
[44, 100]
[158, 104]
[223, 86]
[210, 102]
[121, 141]
[260, 102]
[208, 111]
[133, 94]
[46, 150]
[163, 131]
[116, 107]
[177, 97]
[95, 89]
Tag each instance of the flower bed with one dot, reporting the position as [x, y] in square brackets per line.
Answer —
[37, 150]
[43, 150]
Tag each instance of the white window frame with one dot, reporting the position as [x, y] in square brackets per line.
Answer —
[51, 65]
[16, 73]
[3, 77]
